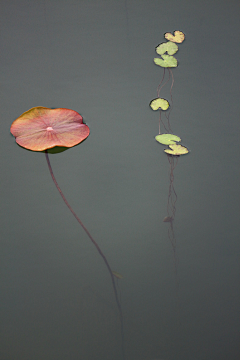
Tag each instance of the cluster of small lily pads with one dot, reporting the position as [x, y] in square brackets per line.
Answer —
[168, 61]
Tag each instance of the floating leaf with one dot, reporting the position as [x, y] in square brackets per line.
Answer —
[177, 150]
[41, 128]
[169, 47]
[159, 103]
[167, 139]
[167, 61]
[178, 36]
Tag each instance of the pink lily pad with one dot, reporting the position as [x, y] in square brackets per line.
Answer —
[41, 128]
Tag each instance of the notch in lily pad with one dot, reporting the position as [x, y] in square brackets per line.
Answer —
[169, 47]
[178, 36]
[159, 103]
[176, 150]
[167, 61]
[167, 139]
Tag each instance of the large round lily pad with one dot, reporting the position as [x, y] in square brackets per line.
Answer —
[167, 139]
[41, 128]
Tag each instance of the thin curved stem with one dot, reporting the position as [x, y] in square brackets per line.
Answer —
[159, 86]
[95, 244]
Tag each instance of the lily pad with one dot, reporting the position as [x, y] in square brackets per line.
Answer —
[178, 36]
[177, 150]
[169, 47]
[41, 128]
[167, 139]
[159, 103]
[166, 61]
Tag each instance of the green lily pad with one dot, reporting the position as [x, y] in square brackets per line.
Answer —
[177, 150]
[169, 47]
[166, 61]
[167, 139]
[159, 103]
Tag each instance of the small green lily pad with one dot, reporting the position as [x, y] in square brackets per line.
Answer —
[159, 103]
[169, 47]
[177, 150]
[166, 61]
[167, 139]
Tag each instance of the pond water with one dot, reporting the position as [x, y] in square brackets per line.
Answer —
[96, 57]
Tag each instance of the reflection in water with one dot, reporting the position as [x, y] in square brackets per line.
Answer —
[171, 211]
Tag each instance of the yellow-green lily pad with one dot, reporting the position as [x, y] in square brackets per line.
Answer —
[159, 103]
[177, 37]
[176, 150]
[167, 139]
[166, 61]
[169, 47]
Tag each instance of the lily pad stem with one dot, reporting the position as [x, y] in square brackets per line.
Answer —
[94, 243]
